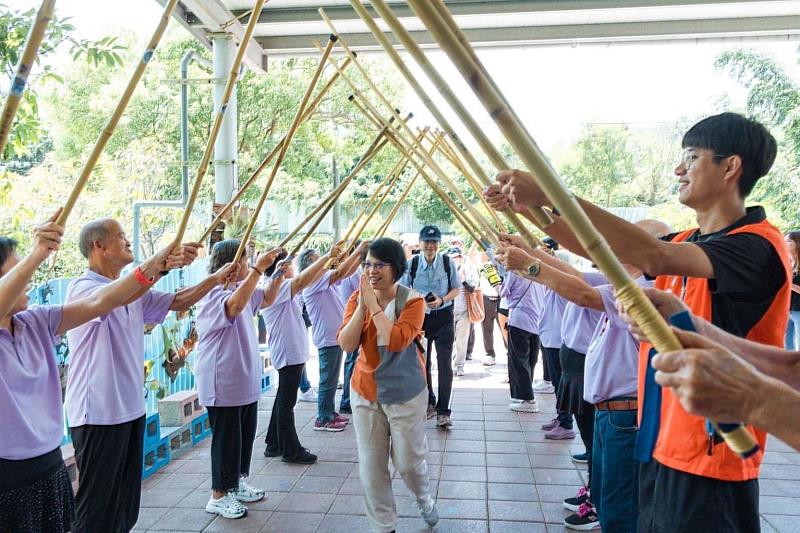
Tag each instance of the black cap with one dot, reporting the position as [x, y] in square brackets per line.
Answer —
[550, 243]
[430, 233]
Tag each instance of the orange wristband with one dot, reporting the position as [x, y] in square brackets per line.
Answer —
[142, 279]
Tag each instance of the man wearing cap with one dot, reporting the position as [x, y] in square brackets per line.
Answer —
[468, 276]
[435, 276]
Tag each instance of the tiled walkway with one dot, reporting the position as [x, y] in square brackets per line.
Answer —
[492, 472]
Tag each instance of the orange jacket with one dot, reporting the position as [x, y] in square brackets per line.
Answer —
[682, 440]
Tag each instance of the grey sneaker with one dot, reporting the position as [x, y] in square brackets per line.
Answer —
[443, 421]
[430, 515]
[459, 371]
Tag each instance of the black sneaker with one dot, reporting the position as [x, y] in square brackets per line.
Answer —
[574, 503]
[584, 520]
[582, 458]
[305, 457]
[271, 453]
[346, 410]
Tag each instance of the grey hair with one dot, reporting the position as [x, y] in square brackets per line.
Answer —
[96, 230]
[304, 260]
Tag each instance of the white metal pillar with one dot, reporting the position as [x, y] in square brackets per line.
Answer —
[226, 146]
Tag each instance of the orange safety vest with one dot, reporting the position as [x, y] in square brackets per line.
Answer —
[682, 439]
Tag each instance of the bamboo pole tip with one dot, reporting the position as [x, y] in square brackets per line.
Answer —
[355, 54]
[333, 37]
[351, 97]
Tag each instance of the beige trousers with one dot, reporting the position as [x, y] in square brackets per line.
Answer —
[396, 431]
[462, 340]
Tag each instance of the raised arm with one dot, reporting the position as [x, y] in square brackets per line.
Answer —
[348, 267]
[315, 271]
[241, 296]
[573, 288]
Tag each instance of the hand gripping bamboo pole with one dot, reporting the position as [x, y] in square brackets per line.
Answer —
[298, 118]
[396, 208]
[105, 135]
[26, 61]
[376, 146]
[312, 108]
[486, 227]
[471, 227]
[444, 89]
[230, 85]
[440, 24]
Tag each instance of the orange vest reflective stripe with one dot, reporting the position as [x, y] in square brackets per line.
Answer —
[682, 439]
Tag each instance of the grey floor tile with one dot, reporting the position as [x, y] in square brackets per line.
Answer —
[306, 503]
[348, 504]
[253, 522]
[523, 492]
[281, 522]
[462, 509]
[343, 524]
[462, 490]
[464, 459]
[321, 484]
[149, 516]
[549, 476]
[463, 473]
[500, 526]
[469, 446]
[502, 474]
[515, 510]
[513, 460]
[183, 519]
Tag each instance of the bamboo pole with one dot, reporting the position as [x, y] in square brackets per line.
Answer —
[312, 108]
[470, 226]
[444, 89]
[377, 144]
[229, 88]
[440, 24]
[486, 227]
[298, 118]
[32, 43]
[105, 135]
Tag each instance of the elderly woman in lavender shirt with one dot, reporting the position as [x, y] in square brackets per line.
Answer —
[35, 490]
[228, 370]
[288, 346]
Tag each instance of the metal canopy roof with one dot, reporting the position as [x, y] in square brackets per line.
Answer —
[288, 27]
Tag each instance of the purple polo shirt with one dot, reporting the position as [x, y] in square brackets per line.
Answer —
[613, 356]
[325, 309]
[105, 385]
[550, 319]
[524, 302]
[579, 323]
[286, 332]
[349, 285]
[228, 365]
[30, 387]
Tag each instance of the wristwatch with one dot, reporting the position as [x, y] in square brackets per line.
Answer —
[534, 268]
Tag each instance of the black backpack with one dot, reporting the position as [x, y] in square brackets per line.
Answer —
[415, 265]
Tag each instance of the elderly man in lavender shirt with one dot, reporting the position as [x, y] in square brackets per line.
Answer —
[524, 305]
[105, 401]
[326, 311]
[346, 288]
[35, 489]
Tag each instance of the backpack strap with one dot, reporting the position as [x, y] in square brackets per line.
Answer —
[446, 261]
[400, 300]
[413, 273]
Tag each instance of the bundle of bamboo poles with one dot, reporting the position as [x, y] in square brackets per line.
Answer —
[440, 23]
[15, 93]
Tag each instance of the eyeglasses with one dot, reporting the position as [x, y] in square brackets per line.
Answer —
[688, 158]
[375, 266]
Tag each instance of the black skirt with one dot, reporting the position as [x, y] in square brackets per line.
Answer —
[570, 389]
[41, 503]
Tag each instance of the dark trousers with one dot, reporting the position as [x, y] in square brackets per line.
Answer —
[615, 473]
[233, 432]
[671, 501]
[304, 383]
[440, 329]
[109, 460]
[487, 326]
[349, 365]
[282, 434]
[553, 364]
[585, 422]
[523, 352]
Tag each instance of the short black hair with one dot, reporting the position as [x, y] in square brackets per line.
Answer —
[390, 252]
[271, 269]
[7, 247]
[223, 253]
[730, 134]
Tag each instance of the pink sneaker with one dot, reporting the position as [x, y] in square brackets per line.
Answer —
[550, 425]
[340, 418]
[559, 433]
[333, 425]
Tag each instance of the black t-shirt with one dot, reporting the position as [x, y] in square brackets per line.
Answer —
[748, 273]
[795, 297]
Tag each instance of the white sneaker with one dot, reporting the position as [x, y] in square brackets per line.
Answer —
[544, 387]
[227, 506]
[516, 400]
[308, 396]
[247, 493]
[430, 515]
[459, 371]
[525, 406]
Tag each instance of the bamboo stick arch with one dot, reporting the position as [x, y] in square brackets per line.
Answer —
[285, 146]
[443, 87]
[230, 85]
[105, 135]
[486, 227]
[441, 25]
[32, 43]
[312, 108]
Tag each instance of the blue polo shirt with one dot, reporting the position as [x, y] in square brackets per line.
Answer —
[432, 278]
